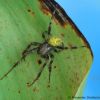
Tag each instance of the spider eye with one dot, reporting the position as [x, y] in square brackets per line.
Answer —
[55, 41]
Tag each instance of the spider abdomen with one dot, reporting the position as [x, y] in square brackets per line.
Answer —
[44, 49]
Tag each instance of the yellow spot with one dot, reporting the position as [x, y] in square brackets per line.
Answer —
[55, 41]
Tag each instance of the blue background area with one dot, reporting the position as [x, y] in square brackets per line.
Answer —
[86, 15]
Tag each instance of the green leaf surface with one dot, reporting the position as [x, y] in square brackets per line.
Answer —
[22, 22]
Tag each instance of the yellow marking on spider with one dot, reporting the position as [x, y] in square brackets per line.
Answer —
[55, 41]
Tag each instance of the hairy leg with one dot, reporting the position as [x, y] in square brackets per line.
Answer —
[46, 34]
[50, 23]
[18, 62]
[24, 54]
[60, 48]
[50, 66]
[30, 48]
[40, 72]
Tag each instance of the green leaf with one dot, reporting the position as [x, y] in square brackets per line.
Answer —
[22, 22]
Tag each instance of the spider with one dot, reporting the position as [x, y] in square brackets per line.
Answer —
[44, 49]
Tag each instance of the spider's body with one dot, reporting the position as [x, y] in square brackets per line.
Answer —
[48, 46]
[46, 50]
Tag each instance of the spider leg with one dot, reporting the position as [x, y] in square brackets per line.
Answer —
[23, 57]
[24, 54]
[50, 23]
[27, 52]
[30, 48]
[40, 72]
[49, 28]
[60, 48]
[46, 34]
[50, 66]
[10, 70]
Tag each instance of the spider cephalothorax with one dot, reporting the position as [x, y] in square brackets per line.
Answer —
[46, 50]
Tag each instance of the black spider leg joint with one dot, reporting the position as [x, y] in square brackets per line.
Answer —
[25, 53]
